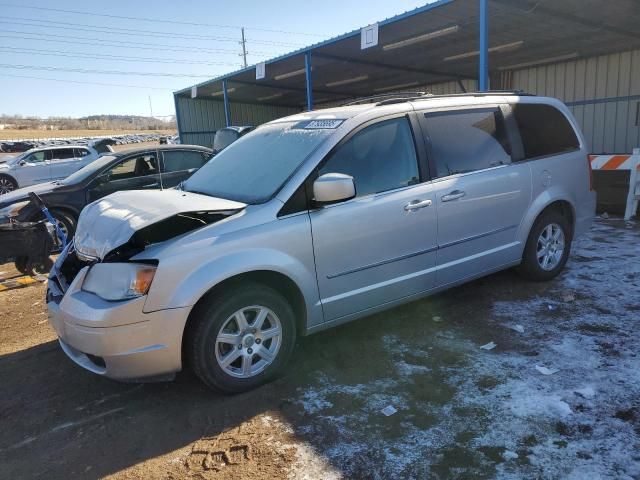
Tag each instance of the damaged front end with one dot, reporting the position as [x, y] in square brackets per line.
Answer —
[110, 231]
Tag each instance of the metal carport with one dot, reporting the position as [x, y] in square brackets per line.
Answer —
[437, 47]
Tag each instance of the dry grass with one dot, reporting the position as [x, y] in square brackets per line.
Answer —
[34, 134]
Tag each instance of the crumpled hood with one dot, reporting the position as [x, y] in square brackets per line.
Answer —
[110, 222]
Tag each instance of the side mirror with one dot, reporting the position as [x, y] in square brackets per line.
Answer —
[22, 163]
[333, 187]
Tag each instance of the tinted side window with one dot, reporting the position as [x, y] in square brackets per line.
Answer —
[379, 158]
[466, 141]
[81, 152]
[544, 130]
[36, 157]
[62, 154]
[138, 166]
[176, 161]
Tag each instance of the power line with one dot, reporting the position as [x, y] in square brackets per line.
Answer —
[102, 72]
[134, 32]
[134, 44]
[87, 82]
[154, 20]
[101, 56]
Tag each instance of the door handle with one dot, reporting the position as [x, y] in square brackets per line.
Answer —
[416, 205]
[455, 195]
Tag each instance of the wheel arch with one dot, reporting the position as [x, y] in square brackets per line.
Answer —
[15, 180]
[271, 278]
[549, 200]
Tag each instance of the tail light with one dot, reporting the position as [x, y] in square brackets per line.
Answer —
[590, 172]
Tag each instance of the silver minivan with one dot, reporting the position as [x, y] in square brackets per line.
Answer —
[314, 220]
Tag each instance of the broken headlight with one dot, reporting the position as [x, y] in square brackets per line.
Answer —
[119, 281]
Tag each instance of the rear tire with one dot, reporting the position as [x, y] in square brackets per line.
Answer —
[232, 345]
[548, 247]
[23, 265]
[7, 184]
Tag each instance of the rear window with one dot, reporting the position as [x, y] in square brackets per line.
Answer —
[181, 160]
[544, 130]
[465, 141]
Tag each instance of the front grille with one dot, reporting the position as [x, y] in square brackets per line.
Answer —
[70, 268]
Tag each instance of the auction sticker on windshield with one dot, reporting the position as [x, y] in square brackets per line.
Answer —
[320, 124]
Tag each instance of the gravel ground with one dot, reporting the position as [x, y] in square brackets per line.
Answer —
[556, 397]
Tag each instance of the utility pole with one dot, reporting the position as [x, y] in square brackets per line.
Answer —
[150, 107]
[244, 49]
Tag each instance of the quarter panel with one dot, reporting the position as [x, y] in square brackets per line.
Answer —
[187, 272]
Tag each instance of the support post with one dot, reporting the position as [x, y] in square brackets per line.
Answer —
[483, 74]
[227, 111]
[307, 66]
[634, 186]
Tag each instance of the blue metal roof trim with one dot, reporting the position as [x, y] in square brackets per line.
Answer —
[386, 21]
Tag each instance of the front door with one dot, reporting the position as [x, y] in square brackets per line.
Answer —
[481, 195]
[34, 168]
[381, 245]
[139, 171]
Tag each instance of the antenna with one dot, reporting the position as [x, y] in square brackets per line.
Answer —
[158, 163]
[244, 48]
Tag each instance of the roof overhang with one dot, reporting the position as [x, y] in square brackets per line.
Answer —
[437, 43]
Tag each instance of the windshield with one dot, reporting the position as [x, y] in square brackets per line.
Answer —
[253, 168]
[88, 170]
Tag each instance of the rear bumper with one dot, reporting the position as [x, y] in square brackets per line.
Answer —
[116, 339]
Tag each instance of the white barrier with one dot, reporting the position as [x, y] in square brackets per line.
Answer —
[623, 162]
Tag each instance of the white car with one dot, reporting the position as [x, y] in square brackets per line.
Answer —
[40, 165]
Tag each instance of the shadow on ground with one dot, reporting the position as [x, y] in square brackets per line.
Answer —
[462, 411]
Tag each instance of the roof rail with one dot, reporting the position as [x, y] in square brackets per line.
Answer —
[399, 97]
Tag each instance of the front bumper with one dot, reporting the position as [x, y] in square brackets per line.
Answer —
[115, 339]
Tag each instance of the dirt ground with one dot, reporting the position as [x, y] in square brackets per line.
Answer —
[557, 397]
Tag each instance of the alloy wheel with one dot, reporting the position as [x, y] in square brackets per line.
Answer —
[550, 248]
[248, 341]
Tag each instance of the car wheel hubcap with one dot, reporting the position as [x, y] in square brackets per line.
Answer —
[248, 341]
[5, 186]
[550, 247]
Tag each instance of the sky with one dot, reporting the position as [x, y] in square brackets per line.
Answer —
[76, 58]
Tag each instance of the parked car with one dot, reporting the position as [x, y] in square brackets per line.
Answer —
[227, 135]
[47, 163]
[12, 147]
[314, 220]
[126, 170]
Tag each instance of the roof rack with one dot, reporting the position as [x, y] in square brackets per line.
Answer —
[382, 97]
[400, 97]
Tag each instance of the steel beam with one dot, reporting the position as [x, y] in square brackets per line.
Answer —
[483, 74]
[227, 110]
[307, 67]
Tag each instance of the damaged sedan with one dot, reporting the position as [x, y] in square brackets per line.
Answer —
[314, 220]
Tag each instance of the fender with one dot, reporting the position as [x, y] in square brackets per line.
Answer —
[198, 281]
[552, 194]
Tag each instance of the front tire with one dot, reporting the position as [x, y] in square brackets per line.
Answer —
[7, 184]
[242, 338]
[548, 246]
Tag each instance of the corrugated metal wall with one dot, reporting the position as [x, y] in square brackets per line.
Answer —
[602, 92]
[199, 118]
